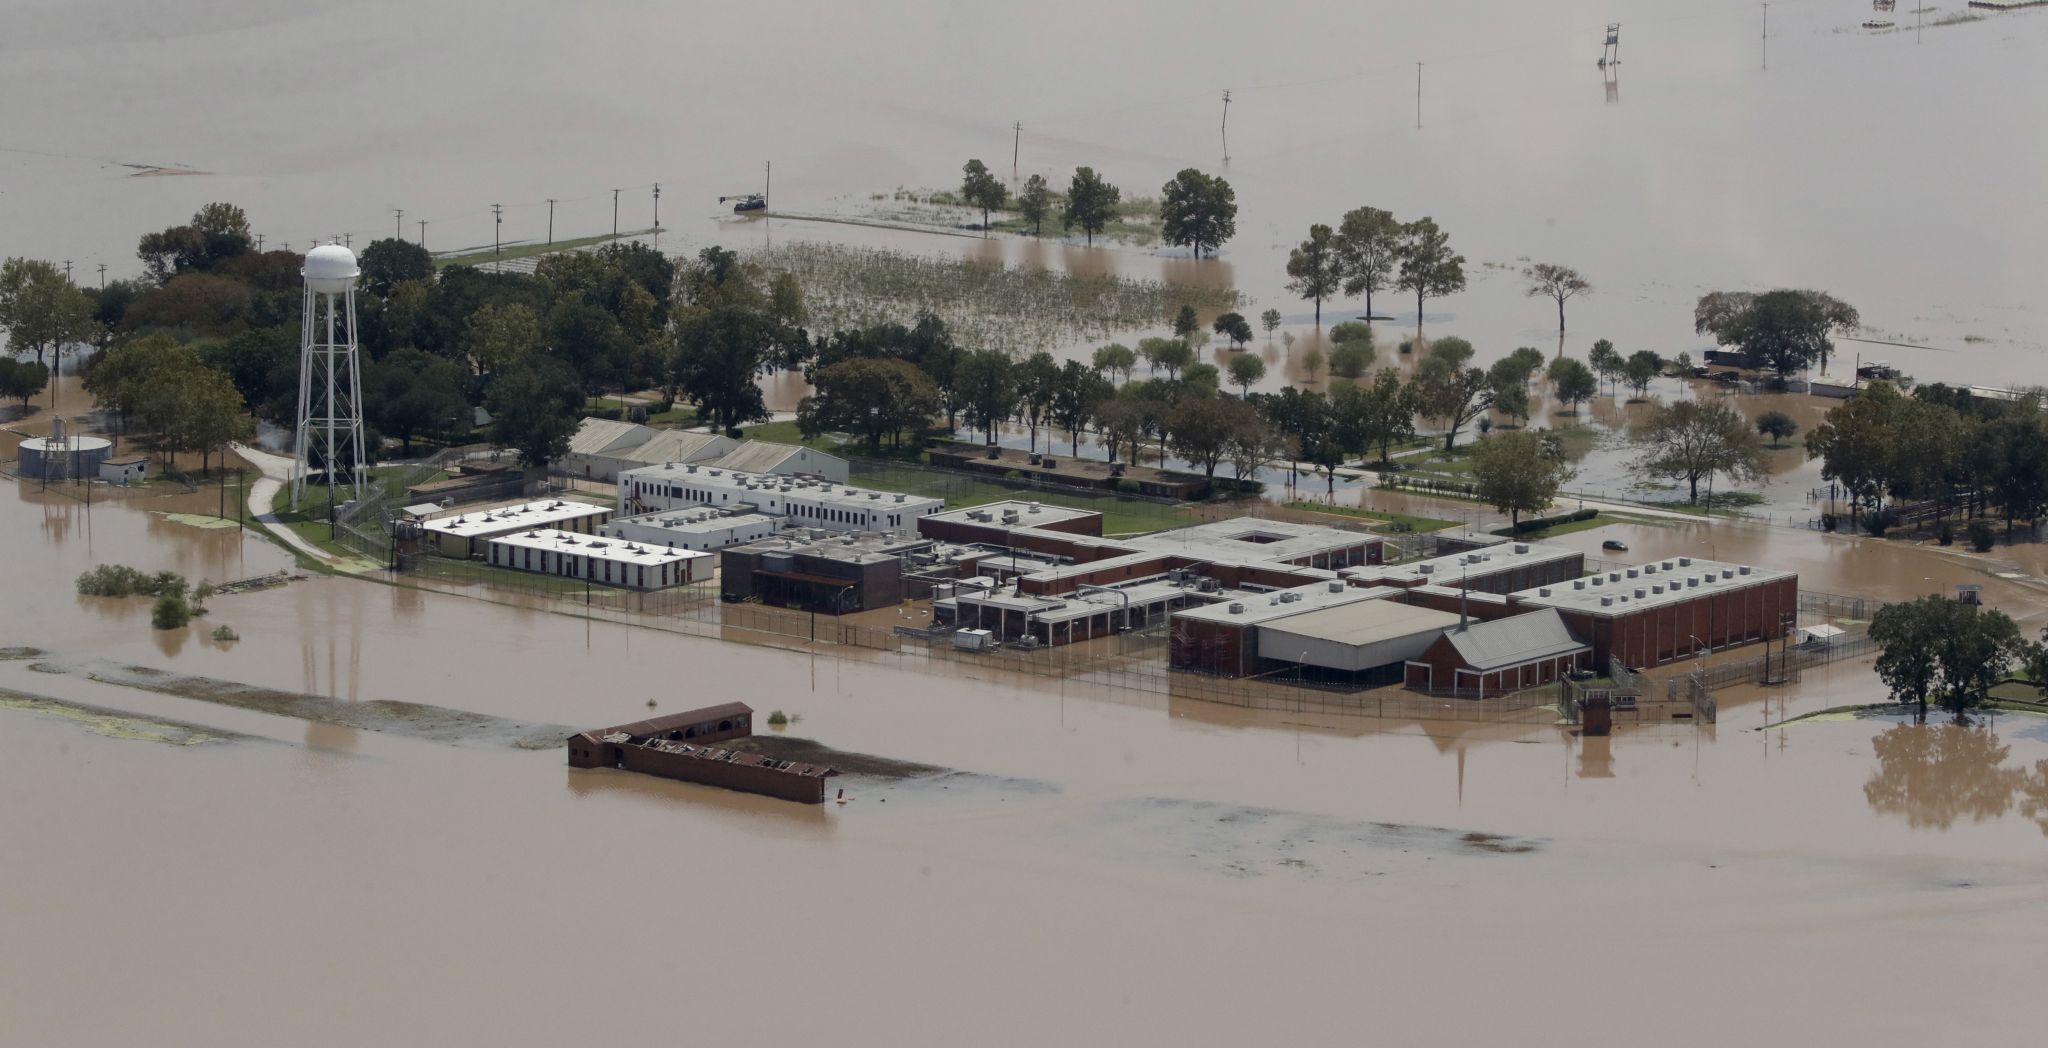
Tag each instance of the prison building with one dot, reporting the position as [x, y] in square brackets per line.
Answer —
[706, 529]
[805, 501]
[788, 460]
[1668, 610]
[834, 575]
[1223, 638]
[467, 534]
[993, 522]
[1247, 544]
[684, 746]
[605, 562]
[1067, 618]
[1491, 658]
[1504, 567]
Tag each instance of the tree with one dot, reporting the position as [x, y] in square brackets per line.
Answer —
[1368, 246]
[1251, 443]
[1201, 429]
[988, 390]
[1304, 419]
[1172, 354]
[1351, 352]
[1038, 382]
[22, 379]
[1314, 269]
[1856, 443]
[1575, 382]
[982, 189]
[1270, 320]
[1429, 267]
[1116, 359]
[1938, 648]
[1197, 211]
[1605, 361]
[1386, 414]
[42, 311]
[1449, 392]
[1692, 440]
[217, 232]
[1091, 203]
[1202, 377]
[720, 352]
[869, 396]
[1234, 327]
[1510, 399]
[1078, 395]
[390, 262]
[1640, 369]
[1550, 280]
[210, 415]
[410, 392]
[1518, 472]
[1186, 324]
[1246, 371]
[1776, 425]
[1312, 362]
[497, 337]
[534, 409]
[1782, 330]
[1034, 202]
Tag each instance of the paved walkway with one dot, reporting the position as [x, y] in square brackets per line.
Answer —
[277, 472]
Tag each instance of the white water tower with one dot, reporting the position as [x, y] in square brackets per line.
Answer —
[330, 381]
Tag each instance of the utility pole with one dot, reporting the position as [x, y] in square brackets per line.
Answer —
[1016, 140]
[551, 220]
[1418, 94]
[1767, 36]
[259, 243]
[348, 240]
[1226, 125]
[423, 232]
[497, 228]
[398, 224]
[103, 271]
[615, 212]
[657, 205]
[67, 269]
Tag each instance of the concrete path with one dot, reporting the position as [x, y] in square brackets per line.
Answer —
[277, 472]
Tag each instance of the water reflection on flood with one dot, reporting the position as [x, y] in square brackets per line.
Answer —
[1937, 775]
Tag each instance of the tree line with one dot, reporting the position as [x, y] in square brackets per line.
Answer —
[1196, 210]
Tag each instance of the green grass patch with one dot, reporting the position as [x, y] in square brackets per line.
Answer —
[1414, 523]
[511, 252]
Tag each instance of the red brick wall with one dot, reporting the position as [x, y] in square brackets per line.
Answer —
[1720, 617]
[1212, 647]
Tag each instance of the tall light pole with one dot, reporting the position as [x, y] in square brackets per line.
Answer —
[657, 205]
[398, 224]
[1418, 94]
[1016, 140]
[615, 212]
[103, 270]
[1226, 125]
[551, 220]
[423, 232]
[1767, 36]
[497, 228]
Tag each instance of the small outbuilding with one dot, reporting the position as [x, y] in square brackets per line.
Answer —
[124, 471]
[1490, 658]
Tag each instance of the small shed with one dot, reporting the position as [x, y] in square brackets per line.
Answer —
[1821, 635]
[124, 470]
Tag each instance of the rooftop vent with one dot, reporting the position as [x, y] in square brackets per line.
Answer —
[1614, 576]
[1544, 592]
[1649, 569]
[1743, 569]
[1727, 573]
[1658, 588]
[1607, 602]
[900, 498]
[1578, 584]
[1427, 569]
[1521, 547]
[1034, 506]
[1338, 587]
[668, 465]
[1599, 580]
[1631, 573]
[1236, 609]
[691, 468]
[1639, 591]
[1685, 562]
[1667, 565]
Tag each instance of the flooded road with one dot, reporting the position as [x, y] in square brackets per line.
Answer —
[1164, 869]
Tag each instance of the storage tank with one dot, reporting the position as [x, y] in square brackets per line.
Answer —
[62, 456]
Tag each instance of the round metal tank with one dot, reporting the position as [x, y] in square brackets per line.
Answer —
[58, 458]
[330, 269]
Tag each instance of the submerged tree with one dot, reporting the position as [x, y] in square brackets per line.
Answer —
[1368, 246]
[1550, 280]
[1783, 330]
[1197, 211]
[1945, 650]
[1091, 203]
[1314, 270]
[1693, 440]
[982, 189]
[1429, 267]
[1034, 202]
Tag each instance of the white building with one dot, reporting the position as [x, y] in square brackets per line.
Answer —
[603, 449]
[806, 501]
[705, 528]
[789, 460]
[609, 562]
[464, 534]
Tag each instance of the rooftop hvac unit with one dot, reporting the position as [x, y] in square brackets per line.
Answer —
[1607, 602]
[1337, 586]
[1209, 586]
[1685, 562]
[1632, 573]
[1236, 608]
[1521, 547]
[1743, 569]
[1578, 584]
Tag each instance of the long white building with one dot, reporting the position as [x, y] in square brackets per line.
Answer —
[609, 562]
[807, 501]
[704, 528]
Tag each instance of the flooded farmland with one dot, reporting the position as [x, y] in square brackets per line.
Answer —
[1110, 866]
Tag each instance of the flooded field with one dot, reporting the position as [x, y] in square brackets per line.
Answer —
[1145, 861]
[1105, 866]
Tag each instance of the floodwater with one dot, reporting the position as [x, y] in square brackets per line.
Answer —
[1134, 868]
[1891, 169]
[1164, 870]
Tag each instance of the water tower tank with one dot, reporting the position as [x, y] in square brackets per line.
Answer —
[330, 269]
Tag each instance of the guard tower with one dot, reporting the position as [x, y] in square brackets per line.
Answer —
[1610, 55]
[330, 381]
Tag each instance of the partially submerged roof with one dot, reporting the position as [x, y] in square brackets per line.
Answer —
[1515, 640]
[672, 721]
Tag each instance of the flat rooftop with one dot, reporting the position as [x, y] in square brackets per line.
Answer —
[758, 489]
[1027, 514]
[617, 551]
[526, 515]
[1250, 540]
[1655, 584]
[1445, 570]
[1281, 604]
[864, 549]
[1070, 606]
[1363, 623]
[700, 520]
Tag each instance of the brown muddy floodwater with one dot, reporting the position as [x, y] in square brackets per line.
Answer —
[1142, 869]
